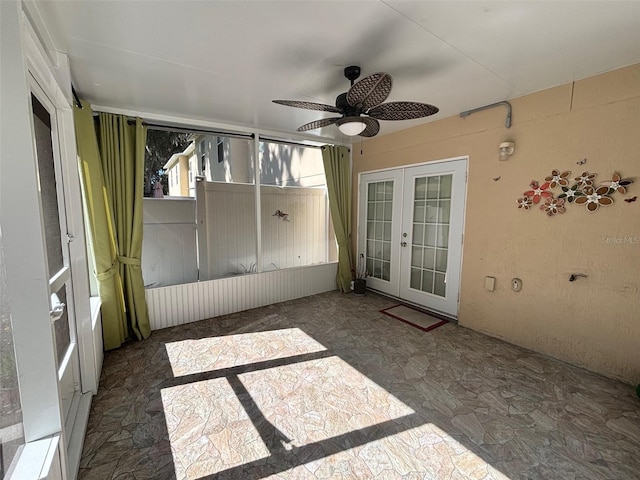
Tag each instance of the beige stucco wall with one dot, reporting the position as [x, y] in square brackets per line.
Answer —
[595, 321]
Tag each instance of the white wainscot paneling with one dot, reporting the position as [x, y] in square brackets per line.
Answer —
[178, 304]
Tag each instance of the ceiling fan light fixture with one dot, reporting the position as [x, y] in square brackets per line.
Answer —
[351, 126]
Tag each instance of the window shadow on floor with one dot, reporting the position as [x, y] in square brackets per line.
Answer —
[519, 412]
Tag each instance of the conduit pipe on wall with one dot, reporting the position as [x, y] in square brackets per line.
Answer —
[507, 122]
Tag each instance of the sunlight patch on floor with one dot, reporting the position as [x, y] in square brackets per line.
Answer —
[188, 357]
[422, 452]
[300, 412]
[318, 399]
[209, 429]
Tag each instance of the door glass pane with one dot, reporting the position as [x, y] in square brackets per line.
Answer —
[388, 205]
[416, 256]
[371, 228]
[421, 188]
[371, 211]
[441, 260]
[416, 278]
[388, 191]
[61, 327]
[418, 234]
[379, 215]
[387, 232]
[427, 281]
[48, 188]
[428, 261]
[418, 211]
[444, 211]
[430, 235]
[433, 230]
[442, 239]
[439, 285]
[445, 186]
[431, 212]
[433, 185]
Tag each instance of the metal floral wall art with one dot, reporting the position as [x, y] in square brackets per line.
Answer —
[555, 194]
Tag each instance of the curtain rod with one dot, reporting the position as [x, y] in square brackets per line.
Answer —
[288, 142]
[75, 97]
[167, 128]
[221, 133]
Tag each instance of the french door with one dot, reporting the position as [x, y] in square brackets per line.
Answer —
[54, 224]
[410, 232]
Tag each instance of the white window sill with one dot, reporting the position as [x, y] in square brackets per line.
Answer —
[39, 460]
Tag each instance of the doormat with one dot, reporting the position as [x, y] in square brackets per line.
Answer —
[413, 317]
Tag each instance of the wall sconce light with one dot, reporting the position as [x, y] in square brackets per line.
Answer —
[506, 150]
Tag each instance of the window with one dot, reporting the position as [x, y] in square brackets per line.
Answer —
[161, 146]
[295, 213]
[220, 143]
[295, 226]
[227, 237]
[203, 156]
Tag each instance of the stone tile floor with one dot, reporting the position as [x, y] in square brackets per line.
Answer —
[328, 387]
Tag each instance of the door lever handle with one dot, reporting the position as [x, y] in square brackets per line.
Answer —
[403, 244]
[57, 309]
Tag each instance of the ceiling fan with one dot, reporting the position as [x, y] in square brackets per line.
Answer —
[361, 107]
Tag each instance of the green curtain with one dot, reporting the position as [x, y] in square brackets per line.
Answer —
[337, 169]
[122, 149]
[101, 229]
[112, 183]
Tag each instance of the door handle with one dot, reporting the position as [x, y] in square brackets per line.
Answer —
[403, 244]
[57, 309]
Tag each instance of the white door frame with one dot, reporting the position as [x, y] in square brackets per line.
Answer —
[396, 234]
[50, 71]
[69, 367]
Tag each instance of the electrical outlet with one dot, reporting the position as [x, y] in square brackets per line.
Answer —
[490, 283]
[516, 284]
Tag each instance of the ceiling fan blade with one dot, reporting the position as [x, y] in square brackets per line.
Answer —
[318, 124]
[373, 127]
[370, 91]
[309, 105]
[402, 110]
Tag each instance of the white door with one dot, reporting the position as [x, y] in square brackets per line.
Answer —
[380, 223]
[411, 224]
[54, 224]
[432, 221]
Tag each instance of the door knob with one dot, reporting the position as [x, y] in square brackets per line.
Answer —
[403, 244]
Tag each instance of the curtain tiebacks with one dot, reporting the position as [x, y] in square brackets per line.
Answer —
[101, 277]
[107, 274]
[129, 260]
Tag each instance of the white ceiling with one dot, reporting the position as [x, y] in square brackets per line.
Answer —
[224, 61]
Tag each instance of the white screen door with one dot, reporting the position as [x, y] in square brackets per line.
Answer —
[52, 204]
[411, 224]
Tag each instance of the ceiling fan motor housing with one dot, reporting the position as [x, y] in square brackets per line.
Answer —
[342, 104]
[352, 73]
